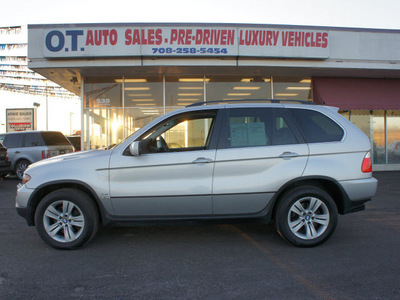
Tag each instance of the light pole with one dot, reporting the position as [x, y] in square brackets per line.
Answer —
[47, 110]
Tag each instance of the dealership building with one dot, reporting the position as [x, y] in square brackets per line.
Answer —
[129, 74]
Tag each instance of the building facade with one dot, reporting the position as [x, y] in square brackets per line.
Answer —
[129, 74]
[22, 88]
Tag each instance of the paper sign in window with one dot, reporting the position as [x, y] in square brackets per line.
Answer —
[256, 134]
[248, 134]
[238, 135]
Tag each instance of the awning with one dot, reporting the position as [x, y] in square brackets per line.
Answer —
[357, 93]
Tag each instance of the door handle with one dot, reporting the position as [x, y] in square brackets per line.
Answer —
[287, 155]
[17, 152]
[202, 160]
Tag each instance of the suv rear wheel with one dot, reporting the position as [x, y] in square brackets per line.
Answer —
[306, 216]
[66, 219]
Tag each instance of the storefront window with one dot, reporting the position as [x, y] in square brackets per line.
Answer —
[393, 136]
[362, 119]
[292, 88]
[145, 92]
[379, 140]
[346, 114]
[136, 118]
[238, 87]
[116, 107]
[102, 92]
[182, 91]
[103, 127]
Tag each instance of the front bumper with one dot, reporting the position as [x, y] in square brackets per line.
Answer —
[21, 203]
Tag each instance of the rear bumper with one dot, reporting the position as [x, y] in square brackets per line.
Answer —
[358, 191]
[5, 168]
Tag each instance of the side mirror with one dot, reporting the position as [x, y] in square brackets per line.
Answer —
[134, 148]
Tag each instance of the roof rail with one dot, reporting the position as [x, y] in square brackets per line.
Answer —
[251, 100]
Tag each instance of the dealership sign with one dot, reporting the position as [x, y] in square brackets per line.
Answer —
[20, 119]
[117, 40]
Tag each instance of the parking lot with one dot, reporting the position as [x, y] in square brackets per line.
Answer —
[243, 261]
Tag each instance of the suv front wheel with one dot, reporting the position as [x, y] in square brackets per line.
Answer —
[306, 216]
[20, 167]
[66, 219]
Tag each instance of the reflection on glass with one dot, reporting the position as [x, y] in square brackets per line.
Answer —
[103, 127]
[393, 136]
[102, 92]
[183, 91]
[136, 118]
[378, 146]
[292, 88]
[362, 119]
[188, 134]
[345, 113]
[238, 87]
[144, 91]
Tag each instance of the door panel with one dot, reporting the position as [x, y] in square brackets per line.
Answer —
[172, 175]
[162, 183]
[260, 153]
[258, 170]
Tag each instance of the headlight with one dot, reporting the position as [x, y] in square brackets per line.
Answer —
[25, 178]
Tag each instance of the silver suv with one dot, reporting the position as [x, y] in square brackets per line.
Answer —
[297, 165]
[26, 147]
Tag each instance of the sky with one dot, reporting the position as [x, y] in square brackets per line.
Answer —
[382, 14]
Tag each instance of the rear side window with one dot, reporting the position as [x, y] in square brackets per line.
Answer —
[258, 127]
[34, 140]
[55, 139]
[317, 127]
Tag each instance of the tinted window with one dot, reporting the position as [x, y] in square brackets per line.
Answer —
[33, 140]
[13, 140]
[75, 141]
[258, 127]
[55, 139]
[317, 127]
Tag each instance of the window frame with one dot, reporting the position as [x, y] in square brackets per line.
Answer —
[290, 111]
[223, 142]
[212, 138]
[20, 138]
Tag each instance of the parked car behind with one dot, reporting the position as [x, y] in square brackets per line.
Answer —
[5, 168]
[75, 140]
[26, 147]
[297, 165]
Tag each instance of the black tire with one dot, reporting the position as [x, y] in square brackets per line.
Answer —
[20, 167]
[66, 219]
[306, 216]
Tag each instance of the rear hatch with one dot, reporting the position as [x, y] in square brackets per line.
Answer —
[56, 144]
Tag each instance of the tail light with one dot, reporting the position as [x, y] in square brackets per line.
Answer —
[366, 166]
[45, 154]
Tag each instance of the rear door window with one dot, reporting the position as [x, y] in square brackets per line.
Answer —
[34, 140]
[317, 127]
[252, 127]
[55, 139]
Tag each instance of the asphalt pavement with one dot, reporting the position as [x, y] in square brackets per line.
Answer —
[245, 261]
